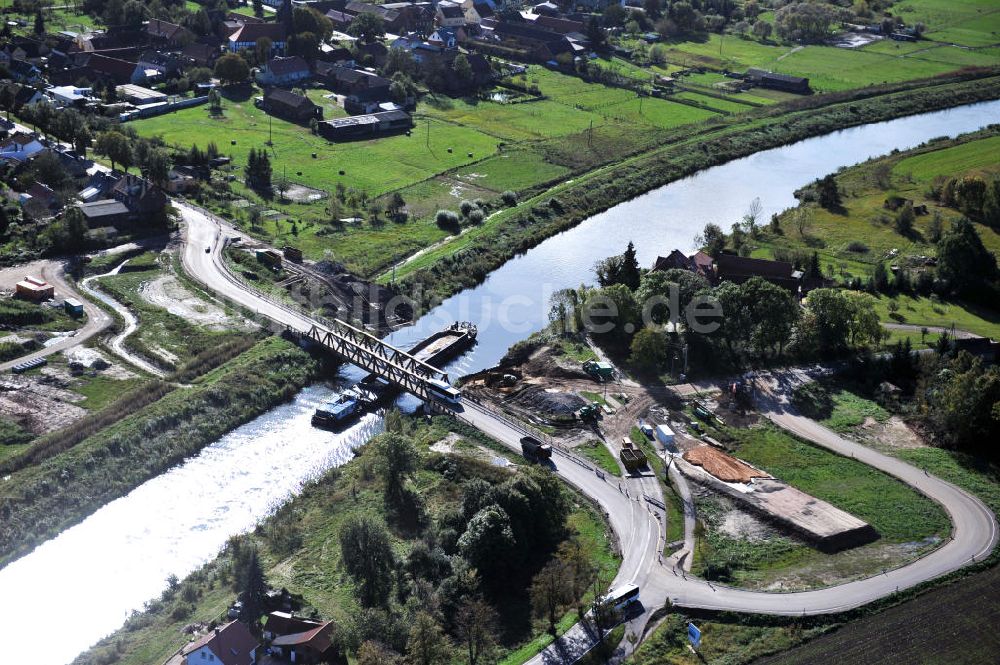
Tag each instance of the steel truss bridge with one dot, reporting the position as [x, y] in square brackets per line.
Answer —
[378, 357]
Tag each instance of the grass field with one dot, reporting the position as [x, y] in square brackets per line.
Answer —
[834, 235]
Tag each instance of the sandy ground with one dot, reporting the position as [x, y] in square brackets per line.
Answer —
[88, 357]
[40, 403]
[167, 292]
[893, 433]
[722, 466]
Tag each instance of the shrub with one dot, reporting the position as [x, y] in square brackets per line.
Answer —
[857, 247]
[447, 220]
[466, 207]
[509, 198]
[476, 216]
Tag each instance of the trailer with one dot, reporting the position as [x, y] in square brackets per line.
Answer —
[665, 436]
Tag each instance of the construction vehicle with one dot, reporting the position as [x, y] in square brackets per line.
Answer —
[533, 449]
[590, 411]
[632, 457]
[599, 371]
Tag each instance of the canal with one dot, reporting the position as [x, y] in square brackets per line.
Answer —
[94, 574]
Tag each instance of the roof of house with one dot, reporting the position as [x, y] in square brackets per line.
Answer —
[251, 32]
[281, 66]
[166, 30]
[318, 638]
[702, 262]
[232, 644]
[674, 259]
[113, 67]
[484, 9]
[285, 623]
[355, 7]
[449, 10]
[200, 52]
[743, 266]
[20, 138]
[289, 99]
[338, 17]
[22, 67]
[563, 26]
[761, 73]
[103, 208]
[157, 58]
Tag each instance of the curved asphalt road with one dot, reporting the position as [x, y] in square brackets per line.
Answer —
[635, 524]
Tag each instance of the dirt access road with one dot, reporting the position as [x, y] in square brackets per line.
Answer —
[53, 272]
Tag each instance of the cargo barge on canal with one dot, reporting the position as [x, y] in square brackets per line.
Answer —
[439, 348]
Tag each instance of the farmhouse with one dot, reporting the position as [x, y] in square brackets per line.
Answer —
[289, 105]
[105, 213]
[738, 269]
[171, 34]
[699, 262]
[784, 82]
[315, 645]
[283, 71]
[362, 126]
[231, 644]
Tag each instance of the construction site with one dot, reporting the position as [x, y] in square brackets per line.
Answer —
[585, 402]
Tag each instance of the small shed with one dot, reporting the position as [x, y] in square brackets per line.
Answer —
[73, 307]
[34, 288]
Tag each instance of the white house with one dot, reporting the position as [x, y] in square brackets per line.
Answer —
[450, 14]
[231, 644]
[20, 147]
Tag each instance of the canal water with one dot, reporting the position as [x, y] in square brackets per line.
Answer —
[94, 574]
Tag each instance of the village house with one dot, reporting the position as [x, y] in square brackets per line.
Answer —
[699, 262]
[23, 71]
[784, 82]
[450, 14]
[105, 213]
[283, 71]
[200, 55]
[541, 44]
[246, 35]
[310, 647]
[69, 95]
[168, 34]
[34, 288]
[140, 196]
[231, 644]
[289, 105]
[20, 147]
[98, 67]
[363, 85]
[155, 65]
[41, 194]
[739, 269]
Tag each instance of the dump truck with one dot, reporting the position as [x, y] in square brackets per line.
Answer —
[631, 456]
[533, 449]
[601, 371]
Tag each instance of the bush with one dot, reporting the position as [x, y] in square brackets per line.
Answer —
[857, 247]
[813, 400]
[476, 216]
[447, 220]
[466, 207]
[509, 198]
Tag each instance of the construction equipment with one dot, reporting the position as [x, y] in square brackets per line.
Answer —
[632, 457]
[599, 371]
[590, 411]
[533, 449]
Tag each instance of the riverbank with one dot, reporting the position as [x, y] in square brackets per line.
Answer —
[42, 500]
[468, 259]
[299, 549]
